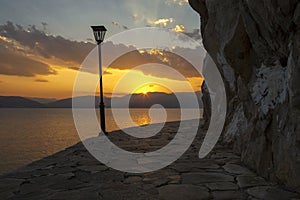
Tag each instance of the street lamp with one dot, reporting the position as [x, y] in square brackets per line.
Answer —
[99, 33]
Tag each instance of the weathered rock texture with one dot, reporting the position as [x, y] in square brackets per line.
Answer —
[256, 46]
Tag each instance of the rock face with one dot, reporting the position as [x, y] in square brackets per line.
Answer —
[256, 46]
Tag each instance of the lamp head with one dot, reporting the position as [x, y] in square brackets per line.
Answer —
[99, 33]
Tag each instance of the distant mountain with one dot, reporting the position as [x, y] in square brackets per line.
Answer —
[166, 100]
[63, 103]
[18, 102]
[133, 101]
[42, 100]
[79, 102]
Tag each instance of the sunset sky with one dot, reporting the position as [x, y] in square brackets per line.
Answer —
[43, 44]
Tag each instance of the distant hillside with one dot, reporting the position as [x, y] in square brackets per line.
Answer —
[81, 102]
[166, 100]
[42, 100]
[18, 102]
[134, 101]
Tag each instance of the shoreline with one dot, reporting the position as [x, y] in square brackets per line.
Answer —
[79, 143]
[74, 174]
[32, 134]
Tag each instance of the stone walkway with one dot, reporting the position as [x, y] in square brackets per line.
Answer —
[74, 174]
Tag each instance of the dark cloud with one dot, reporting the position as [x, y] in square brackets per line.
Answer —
[74, 68]
[134, 58]
[172, 59]
[195, 34]
[120, 26]
[107, 73]
[44, 24]
[48, 46]
[116, 23]
[115, 94]
[16, 64]
[41, 81]
[37, 42]
[90, 40]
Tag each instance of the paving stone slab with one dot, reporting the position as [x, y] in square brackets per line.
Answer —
[80, 194]
[250, 181]
[208, 177]
[133, 180]
[271, 193]
[222, 186]
[228, 195]
[237, 169]
[180, 192]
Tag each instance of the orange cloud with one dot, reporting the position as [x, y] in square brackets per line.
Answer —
[38, 43]
[136, 58]
[179, 28]
[178, 2]
[15, 63]
[163, 22]
[41, 81]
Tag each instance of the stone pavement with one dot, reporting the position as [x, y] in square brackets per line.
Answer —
[75, 174]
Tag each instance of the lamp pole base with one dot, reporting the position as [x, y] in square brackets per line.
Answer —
[102, 117]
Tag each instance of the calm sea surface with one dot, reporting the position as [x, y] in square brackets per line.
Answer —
[27, 135]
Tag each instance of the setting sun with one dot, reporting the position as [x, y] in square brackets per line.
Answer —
[149, 87]
[145, 92]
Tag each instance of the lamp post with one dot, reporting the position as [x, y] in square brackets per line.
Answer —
[99, 33]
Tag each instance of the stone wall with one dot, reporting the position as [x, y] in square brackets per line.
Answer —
[256, 46]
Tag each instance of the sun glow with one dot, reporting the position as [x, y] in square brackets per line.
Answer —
[151, 87]
[145, 92]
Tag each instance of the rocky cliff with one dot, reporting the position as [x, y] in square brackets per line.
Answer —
[256, 46]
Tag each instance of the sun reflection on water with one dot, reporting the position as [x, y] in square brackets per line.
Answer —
[142, 120]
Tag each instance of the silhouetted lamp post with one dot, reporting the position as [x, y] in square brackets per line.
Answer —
[99, 33]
